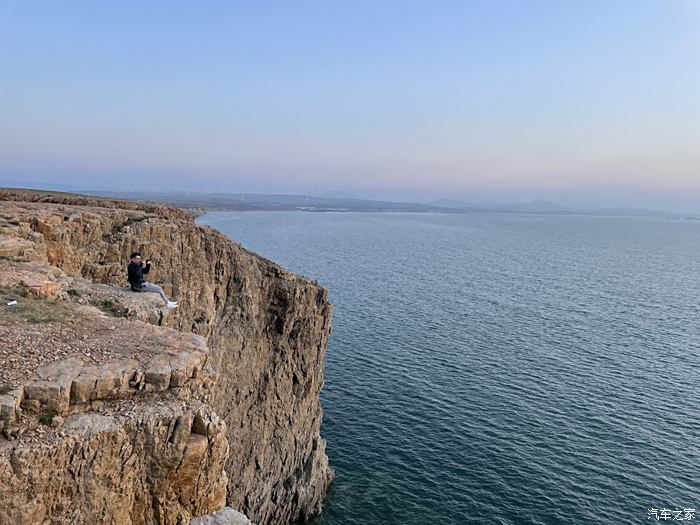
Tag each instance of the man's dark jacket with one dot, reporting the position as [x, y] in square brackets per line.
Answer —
[136, 273]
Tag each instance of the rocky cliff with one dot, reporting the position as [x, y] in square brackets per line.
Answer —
[265, 330]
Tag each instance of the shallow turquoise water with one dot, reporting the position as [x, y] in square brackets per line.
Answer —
[501, 368]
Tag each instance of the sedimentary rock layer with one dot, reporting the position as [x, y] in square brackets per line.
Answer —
[102, 419]
[266, 330]
[137, 466]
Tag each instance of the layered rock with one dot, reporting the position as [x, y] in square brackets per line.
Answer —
[107, 419]
[266, 330]
[144, 465]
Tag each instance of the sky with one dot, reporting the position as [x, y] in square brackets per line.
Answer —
[588, 102]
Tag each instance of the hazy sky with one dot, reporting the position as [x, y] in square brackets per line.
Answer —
[594, 101]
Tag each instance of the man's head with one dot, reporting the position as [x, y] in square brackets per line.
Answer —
[136, 257]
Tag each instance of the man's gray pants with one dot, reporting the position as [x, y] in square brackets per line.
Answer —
[149, 287]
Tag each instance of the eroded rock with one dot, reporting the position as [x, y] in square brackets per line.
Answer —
[225, 516]
[266, 330]
[117, 470]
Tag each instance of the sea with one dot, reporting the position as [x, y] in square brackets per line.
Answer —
[502, 368]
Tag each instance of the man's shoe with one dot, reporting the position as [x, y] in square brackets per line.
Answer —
[171, 305]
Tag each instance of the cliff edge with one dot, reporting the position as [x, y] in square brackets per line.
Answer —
[250, 405]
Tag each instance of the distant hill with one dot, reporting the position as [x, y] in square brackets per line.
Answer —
[537, 206]
[311, 203]
[452, 204]
[266, 201]
[282, 202]
[337, 195]
[510, 207]
[543, 207]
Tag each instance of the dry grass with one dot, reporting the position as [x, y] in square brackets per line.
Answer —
[33, 310]
[13, 259]
[113, 308]
[47, 415]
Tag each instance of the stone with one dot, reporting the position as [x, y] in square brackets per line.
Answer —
[185, 365]
[35, 278]
[51, 384]
[225, 516]
[83, 386]
[10, 410]
[115, 379]
[70, 367]
[31, 405]
[52, 394]
[158, 372]
[191, 465]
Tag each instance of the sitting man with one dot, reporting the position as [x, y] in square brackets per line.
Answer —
[136, 271]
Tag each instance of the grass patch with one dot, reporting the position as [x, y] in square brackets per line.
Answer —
[73, 292]
[39, 311]
[111, 307]
[13, 259]
[46, 415]
[33, 310]
[5, 388]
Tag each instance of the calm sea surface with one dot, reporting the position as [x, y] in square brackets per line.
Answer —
[501, 368]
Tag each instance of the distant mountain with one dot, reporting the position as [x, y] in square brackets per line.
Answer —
[309, 203]
[282, 202]
[265, 201]
[337, 195]
[535, 207]
[626, 212]
[452, 204]
[542, 206]
[511, 207]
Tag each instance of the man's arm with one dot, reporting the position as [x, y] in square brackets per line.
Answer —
[145, 269]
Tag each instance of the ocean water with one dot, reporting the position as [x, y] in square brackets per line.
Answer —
[502, 369]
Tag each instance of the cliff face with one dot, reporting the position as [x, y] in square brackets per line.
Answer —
[266, 330]
[103, 419]
[137, 468]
